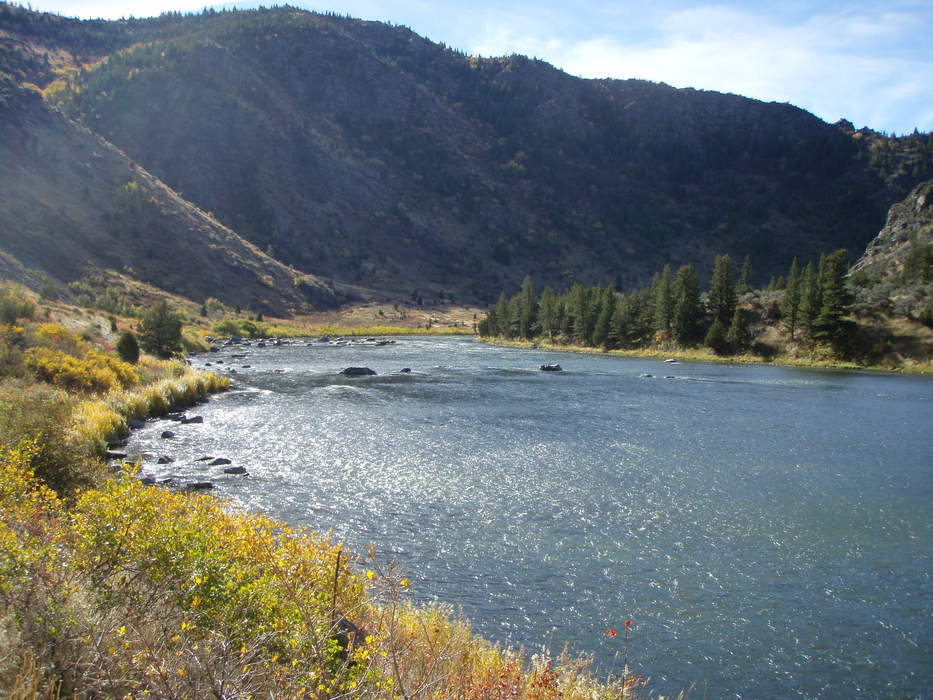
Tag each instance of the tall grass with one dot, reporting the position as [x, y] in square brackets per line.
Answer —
[137, 591]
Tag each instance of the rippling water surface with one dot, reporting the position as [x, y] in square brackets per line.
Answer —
[767, 530]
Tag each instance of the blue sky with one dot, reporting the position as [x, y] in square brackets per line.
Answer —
[870, 62]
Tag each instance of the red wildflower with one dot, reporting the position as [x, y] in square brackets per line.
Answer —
[611, 632]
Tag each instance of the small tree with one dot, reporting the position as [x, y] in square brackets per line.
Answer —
[790, 304]
[160, 331]
[686, 320]
[722, 298]
[128, 348]
[663, 302]
[15, 305]
[716, 338]
[738, 336]
[744, 285]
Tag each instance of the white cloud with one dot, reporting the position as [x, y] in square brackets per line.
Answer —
[833, 64]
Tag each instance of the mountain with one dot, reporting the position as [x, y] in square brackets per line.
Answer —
[360, 152]
[74, 205]
[904, 247]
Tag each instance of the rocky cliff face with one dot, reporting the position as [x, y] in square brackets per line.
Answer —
[909, 229]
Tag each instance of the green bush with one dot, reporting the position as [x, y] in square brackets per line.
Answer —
[128, 347]
[14, 305]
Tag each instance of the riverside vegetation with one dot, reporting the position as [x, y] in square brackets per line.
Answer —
[817, 314]
[113, 588]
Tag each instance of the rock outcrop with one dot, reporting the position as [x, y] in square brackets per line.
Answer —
[909, 228]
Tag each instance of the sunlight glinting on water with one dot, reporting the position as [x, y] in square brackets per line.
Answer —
[767, 529]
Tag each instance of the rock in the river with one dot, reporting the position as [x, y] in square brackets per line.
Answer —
[357, 371]
[193, 419]
[405, 370]
[148, 480]
[200, 485]
[166, 434]
[115, 455]
[165, 459]
[206, 458]
[551, 368]
[136, 423]
[235, 470]
[220, 460]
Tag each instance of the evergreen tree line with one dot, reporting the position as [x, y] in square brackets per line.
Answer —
[674, 312]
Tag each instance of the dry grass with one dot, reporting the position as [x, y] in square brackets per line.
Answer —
[109, 588]
[136, 591]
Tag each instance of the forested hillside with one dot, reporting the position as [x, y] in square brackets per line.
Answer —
[878, 312]
[365, 153]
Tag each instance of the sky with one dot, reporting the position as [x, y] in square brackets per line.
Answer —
[867, 61]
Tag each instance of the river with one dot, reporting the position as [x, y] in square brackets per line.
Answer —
[767, 530]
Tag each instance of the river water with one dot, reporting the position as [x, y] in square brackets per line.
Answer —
[767, 530]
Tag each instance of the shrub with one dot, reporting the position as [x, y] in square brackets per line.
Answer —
[52, 335]
[716, 338]
[12, 343]
[67, 372]
[128, 348]
[62, 458]
[14, 305]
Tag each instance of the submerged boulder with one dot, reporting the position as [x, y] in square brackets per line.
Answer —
[551, 368]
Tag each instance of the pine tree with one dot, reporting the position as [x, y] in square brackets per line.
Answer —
[160, 331]
[527, 309]
[790, 304]
[810, 300]
[722, 298]
[744, 285]
[737, 336]
[580, 313]
[686, 320]
[716, 337]
[548, 318]
[603, 328]
[835, 299]
[663, 303]
[501, 317]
